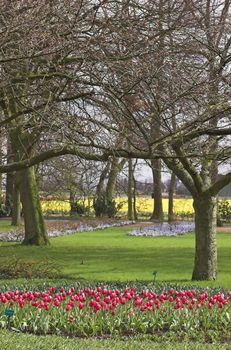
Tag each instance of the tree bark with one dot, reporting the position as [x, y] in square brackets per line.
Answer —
[100, 185]
[157, 190]
[9, 182]
[130, 190]
[99, 198]
[1, 155]
[16, 208]
[170, 198]
[110, 188]
[9, 193]
[72, 202]
[205, 264]
[134, 198]
[35, 230]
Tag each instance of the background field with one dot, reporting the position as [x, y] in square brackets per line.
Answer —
[144, 205]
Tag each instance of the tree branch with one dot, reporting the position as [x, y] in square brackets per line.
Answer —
[219, 184]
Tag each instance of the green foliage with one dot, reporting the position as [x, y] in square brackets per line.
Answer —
[57, 212]
[184, 215]
[193, 325]
[224, 210]
[103, 206]
[15, 267]
[77, 208]
[3, 212]
[159, 287]
[102, 311]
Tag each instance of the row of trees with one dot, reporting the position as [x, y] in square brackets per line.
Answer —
[131, 79]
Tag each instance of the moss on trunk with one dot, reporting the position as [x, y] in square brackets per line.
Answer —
[16, 209]
[130, 190]
[157, 190]
[205, 264]
[35, 230]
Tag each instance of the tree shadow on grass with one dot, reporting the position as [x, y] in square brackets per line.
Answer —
[11, 245]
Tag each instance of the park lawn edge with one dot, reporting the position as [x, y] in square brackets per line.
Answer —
[22, 341]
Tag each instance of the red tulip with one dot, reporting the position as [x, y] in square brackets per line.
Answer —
[81, 306]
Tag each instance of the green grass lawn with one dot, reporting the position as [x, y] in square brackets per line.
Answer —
[16, 341]
[113, 255]
[5, 225]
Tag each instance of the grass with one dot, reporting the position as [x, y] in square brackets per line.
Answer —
[10, 340]
[113, 255]
[5, 225]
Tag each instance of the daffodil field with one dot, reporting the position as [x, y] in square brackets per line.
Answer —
[144, 206]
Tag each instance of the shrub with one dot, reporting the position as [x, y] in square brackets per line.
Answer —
[104, 207]
[184, 215]
[224, 210]
[77, 208]
[3, 211]
[28, 268]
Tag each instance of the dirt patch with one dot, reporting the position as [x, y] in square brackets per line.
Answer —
[224, 229]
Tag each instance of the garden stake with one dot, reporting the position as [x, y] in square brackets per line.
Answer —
[9, 313]
[154, 275]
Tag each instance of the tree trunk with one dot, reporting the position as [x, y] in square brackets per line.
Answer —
[72, 202]
[134, 198]
[116, 167]
[100, 185]
[110, 188]
[9, 182]
[157, 190]
[16, 209]
[35, 231]
[170, 198]
[130, 190]
[205, 264]
[1, 156]
[99, 198]
[9, 193]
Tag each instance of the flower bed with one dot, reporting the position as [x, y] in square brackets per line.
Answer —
[106, 311]
[165, 229]
[65, 227]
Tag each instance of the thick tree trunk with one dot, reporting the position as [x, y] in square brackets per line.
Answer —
[100, 185]
[99, 199]
[16, 209]
[110, 188]
[116, 167]
[170, 198]
[35, 231]
[157, 190]
[205, 264]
